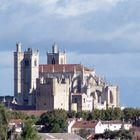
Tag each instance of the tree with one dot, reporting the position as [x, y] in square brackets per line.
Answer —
[55, 121]
[84, 133]
[71, 114]
[82, 114]
[121, 134]
[29, 131]
[4, 120]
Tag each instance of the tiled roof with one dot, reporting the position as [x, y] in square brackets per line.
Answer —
[113, 122]
[85, 124]
[62, 68]
[16, 121]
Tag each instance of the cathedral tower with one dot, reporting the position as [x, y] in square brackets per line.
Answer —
[55, 57]
[26, 66]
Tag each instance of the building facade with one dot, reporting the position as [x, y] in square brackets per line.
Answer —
[58, 85]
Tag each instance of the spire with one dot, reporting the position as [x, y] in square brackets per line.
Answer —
[54, 48]
[4, 100]
[18, 45]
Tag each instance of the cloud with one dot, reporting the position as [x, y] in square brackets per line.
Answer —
[109, 65]
[64, 8]
[4, 5]
[76, 7]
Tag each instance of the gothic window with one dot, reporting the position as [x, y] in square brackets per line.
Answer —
[79, 85]
[26, 63]
[63, 81]
[62, 61]
[111, 97]
[53, 61]
[75, 100]
[99, 98]
[35, 63]
[84, 100]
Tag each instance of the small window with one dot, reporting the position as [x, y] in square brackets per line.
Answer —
[84, 100]
[63, 81]
[35, 63]
[75, 100]
[62, 61]
[53, 61]
[26, 63]
[48, 82]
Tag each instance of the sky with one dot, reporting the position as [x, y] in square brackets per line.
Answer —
[101, 34]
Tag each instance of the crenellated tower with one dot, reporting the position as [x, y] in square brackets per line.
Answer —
[26, 71]
[55, 57]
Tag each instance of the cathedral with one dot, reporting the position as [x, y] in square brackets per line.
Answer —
[58, 85]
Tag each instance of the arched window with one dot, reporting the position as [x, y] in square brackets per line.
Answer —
[26, 63]
[62, 61]
[111, 97]
[35, 63]
[99, 97]
[53, 61]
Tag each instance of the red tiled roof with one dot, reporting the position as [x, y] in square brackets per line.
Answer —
[16, 121]
[62, 68]
[85, 124]
[113, 122]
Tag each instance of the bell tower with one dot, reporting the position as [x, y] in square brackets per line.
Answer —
[26, 71]
[56, 57]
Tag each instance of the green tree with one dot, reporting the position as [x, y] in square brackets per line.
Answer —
[55, 121]
[4, 120]
[29, 131]
[82, 114]
[71, 114]
[121, 134]
[84, 133]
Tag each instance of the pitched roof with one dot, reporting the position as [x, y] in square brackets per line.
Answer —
[114, 122]
[62, 68]
[16, 121]
[85, 124]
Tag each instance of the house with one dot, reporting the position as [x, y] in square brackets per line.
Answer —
[116, 125]
[95, 127]
[17, 124]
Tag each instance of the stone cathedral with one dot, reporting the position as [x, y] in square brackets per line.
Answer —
[58, 85]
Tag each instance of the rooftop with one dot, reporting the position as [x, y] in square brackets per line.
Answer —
[85, 124]
[62, 68]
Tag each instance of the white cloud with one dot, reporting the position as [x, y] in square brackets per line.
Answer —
[75, 7]
[109, 65]
[4, 5]
[64, 8]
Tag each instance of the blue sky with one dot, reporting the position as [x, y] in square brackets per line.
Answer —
[104, 34]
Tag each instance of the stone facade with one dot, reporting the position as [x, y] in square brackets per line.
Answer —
[26, 71]
[58, 84]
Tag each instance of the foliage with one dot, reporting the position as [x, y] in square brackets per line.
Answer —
[17, 115]
[71, 114]
[33, 118]
[29, 131]
[128, 114]
[82, 114]
[84, 133]
[6, 115]
[122, 134]
[55, 121]
[4, 119]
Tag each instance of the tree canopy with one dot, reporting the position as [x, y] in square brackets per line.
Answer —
[55, 121]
